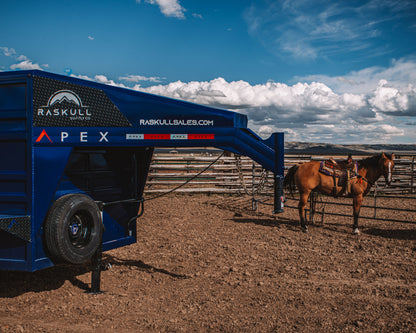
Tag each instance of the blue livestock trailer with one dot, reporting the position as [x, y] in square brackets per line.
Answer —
[74, 157]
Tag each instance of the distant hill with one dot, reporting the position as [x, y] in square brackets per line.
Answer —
[314, 148]
[326, 148]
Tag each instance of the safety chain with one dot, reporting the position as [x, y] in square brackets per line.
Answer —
[263, 177]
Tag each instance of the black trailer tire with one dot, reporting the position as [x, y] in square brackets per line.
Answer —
[73, 229]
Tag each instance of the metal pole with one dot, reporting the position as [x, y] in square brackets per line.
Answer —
[253, 199]
[96, 263]
[279, 158]
[375, 200]
[412, 190]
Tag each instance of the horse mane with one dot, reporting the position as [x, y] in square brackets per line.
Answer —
[372, 161]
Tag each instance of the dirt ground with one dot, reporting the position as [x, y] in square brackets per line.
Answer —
[209, 264]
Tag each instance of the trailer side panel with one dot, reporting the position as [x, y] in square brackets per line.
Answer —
[15, 175]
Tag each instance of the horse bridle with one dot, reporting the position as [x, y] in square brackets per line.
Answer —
[371, 183]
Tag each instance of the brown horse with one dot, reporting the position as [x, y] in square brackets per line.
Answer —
[307, 178]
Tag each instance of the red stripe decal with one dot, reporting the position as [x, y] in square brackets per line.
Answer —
[168, 136]
[157, 136]
[201, 136]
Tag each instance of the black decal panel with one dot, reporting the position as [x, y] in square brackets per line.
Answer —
[57, 103]
[18, 226]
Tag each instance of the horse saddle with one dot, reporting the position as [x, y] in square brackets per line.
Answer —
[342, 172]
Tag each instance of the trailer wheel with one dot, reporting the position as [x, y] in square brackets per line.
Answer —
[73, 229]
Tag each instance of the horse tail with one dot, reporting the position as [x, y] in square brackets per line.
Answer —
[289, 182]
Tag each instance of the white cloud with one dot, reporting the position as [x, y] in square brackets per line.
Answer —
[301, 97]
[324, 29]
[169, 8]
[391, 100]
[91, 38]
[24, 62]
[265, 130]
[400, 73]
[310, 111]
[84, 77]
[8, 52]
[349, 133]
[138, 78]
[197, 16]
[24, 65]
[105, 80]
[374, 105]
[22, 58]
[100, 79]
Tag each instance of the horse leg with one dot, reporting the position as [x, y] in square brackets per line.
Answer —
[357, 202]
[303, 200]
[313, 197]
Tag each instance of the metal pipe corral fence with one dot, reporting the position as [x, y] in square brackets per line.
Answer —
[239, 175]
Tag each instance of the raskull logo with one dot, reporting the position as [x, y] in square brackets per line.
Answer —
[65, 104]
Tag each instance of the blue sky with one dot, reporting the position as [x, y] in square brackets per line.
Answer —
[321, 71]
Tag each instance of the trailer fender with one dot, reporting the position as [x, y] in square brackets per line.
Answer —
[73, 229]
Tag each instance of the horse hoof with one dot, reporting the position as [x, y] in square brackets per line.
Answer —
[356, 231]
[305, 230]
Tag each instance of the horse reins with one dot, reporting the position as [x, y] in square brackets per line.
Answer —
[363, 178]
